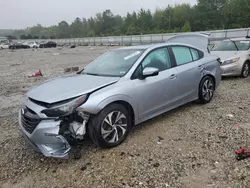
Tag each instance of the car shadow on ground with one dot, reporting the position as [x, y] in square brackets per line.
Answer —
[230, 78]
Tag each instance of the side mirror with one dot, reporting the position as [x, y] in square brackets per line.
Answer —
[150, 71]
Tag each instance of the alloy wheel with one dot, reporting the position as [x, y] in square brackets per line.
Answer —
[114, 127]
[246, 70]
[208, 89]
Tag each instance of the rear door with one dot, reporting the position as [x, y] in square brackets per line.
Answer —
[190, 69]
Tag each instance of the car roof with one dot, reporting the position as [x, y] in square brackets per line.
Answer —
[152, 46]
[142, 47]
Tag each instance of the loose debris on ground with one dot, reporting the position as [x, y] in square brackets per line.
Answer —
[190, 147]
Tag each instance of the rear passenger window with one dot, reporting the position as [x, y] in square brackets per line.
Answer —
[195, 54]
[182, 55]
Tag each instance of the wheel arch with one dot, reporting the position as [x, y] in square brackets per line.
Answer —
[121, 100]
[128, 107]
[247, 61]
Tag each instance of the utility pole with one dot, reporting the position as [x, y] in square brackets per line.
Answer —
[169, 21]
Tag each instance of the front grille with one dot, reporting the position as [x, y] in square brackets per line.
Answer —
[30, 120]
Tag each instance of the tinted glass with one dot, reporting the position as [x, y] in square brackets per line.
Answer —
[159, 59]
[113, 63]
[195, 54]
[243, 45]
[182, 55]
[232, 46]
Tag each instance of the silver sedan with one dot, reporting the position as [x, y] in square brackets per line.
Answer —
[234, 55]
[122, 88]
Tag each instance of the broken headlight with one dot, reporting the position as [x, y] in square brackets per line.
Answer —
[66, 108]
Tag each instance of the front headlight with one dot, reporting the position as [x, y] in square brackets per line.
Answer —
[65, 109]
[231, 61]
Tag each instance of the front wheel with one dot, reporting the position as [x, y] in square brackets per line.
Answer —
[245, 70]
[110, 127]
[206, 90]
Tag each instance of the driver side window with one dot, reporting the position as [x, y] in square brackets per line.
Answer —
[159, 59]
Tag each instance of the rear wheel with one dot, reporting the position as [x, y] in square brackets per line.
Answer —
[206, 90]
[245, 70]
[110, 127]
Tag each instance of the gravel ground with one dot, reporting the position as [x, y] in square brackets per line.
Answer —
[192, 146]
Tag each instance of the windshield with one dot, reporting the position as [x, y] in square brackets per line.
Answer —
[242, 45]
[113, 63]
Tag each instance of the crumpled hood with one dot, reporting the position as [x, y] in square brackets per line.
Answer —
[66, 87]
[226, 55]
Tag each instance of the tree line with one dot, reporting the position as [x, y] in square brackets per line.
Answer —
[205, 15]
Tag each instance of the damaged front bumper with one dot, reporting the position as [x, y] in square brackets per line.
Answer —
[45, 137]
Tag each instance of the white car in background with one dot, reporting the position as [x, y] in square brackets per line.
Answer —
[234, 55]
[4, 45]
[32, 44]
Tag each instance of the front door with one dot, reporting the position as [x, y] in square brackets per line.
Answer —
[155, 94]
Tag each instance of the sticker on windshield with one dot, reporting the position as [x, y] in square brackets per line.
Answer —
[246, 42]
[132, 55]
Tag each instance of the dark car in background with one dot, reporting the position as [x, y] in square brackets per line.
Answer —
[49, 44]
[18, 45]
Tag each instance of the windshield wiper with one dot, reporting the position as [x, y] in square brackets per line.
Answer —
[80, 71]
[234, 43]
[92, 74]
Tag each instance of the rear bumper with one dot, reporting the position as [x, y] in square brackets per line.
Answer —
[46, 139]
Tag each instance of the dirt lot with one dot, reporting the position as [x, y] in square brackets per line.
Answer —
[192, 146]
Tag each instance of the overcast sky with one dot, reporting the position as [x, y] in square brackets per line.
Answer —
[17, 14]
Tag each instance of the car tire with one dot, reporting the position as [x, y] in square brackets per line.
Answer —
[105, 130]
[245, 70]
[206, 89]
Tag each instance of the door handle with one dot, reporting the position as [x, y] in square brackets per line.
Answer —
[173, 76]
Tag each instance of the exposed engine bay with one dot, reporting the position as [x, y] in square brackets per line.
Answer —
[73, 127]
